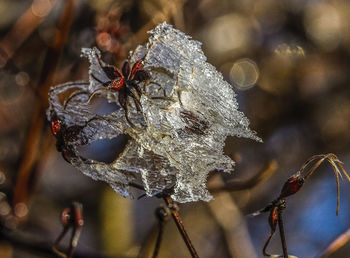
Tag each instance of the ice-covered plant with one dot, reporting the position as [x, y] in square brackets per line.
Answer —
[178, 115]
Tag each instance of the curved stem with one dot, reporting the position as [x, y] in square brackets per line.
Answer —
[267, 243]
[264, 174]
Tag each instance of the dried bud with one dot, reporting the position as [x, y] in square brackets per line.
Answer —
[66, 217]
[78, 214]
[273, 218]
[293, 185]
[55, 126]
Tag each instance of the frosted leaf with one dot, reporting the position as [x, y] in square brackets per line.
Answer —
[188, 111]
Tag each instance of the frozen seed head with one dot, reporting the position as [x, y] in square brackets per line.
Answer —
[188, 110]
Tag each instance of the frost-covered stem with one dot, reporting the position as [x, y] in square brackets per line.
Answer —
[54, 247]
[181, 227]
[281, 229]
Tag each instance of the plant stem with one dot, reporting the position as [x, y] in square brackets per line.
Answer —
[35, 246]
[159, 239]
[180, 226]
[33, 148]
[281, 229]
[336, 244]
[264, 174]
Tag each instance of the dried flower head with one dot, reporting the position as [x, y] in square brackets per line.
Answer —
[292, 186]
[187, 111]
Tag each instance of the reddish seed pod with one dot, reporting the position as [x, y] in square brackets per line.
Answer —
[273, 218]
[78, 214]
[66, 217]
[55, 126]
[73, 214]
[117, 84]
[292, 186]
[137, 67]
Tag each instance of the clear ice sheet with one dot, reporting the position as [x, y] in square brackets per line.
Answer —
[188, 110]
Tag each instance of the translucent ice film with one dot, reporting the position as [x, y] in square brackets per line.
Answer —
[177, 138]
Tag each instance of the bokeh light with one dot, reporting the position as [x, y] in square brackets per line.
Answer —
[323, 25]
[41, 8]
[228, 33]
[244, 74]
[290, 51]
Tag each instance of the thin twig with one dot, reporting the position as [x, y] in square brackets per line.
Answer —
[180, 226]
[159, 239]
[162, 215]
[32, 145]
[335, 163]
[58, 240]
[261, 176]
[339, 242]
[273, 221]
[281, 230]
[20, 31]
[148, 248]
[37, 247]
[267, 243]
[232, 224]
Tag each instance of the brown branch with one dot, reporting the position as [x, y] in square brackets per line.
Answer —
[263, 175]
[335, 163]
[38, 247]
[159, 239]
[180, 226]
[21, 30]
[267, 244]
[162, 215]
[233, 226]
[281, 230]
[339, 242]
[154, 238]
[33, 139]
[147, 246]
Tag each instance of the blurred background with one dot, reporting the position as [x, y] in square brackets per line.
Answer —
[289, 62]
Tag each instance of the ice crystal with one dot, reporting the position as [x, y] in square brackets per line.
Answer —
[188, 110]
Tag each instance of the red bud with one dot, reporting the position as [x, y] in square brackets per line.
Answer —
[292, 185]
